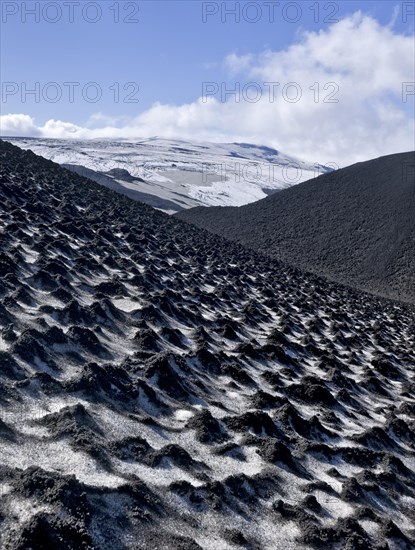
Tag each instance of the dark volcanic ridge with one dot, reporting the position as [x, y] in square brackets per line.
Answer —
[162, 388]
[355, 225]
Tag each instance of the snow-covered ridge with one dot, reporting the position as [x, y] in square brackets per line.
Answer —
[174, 174]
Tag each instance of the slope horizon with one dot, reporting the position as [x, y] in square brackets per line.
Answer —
[351, 225]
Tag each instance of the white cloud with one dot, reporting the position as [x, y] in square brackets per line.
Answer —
[395, 15]
[18, 125]
[367, 62]
[97, 120]
[237, 64]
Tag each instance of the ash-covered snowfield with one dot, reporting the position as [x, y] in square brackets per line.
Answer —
[173, 175]
[161, 388]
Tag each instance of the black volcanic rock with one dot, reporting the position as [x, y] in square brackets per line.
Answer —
[124, 175]
[311, 392]
[208, 429]
[29, 346]
[9, 368]
[259, 422]
[46, 531]
[164, 372]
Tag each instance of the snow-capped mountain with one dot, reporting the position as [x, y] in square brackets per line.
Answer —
[173, 175]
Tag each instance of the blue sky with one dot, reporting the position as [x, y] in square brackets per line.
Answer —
[168, 54]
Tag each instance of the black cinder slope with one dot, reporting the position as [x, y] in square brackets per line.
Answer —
[355, 225]
[162, 388]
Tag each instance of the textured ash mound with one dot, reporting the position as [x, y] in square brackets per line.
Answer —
[355, 226]
[162, 388]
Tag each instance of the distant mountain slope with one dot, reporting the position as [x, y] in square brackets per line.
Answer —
[173, 175]
[355, 225]
[162, 388]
